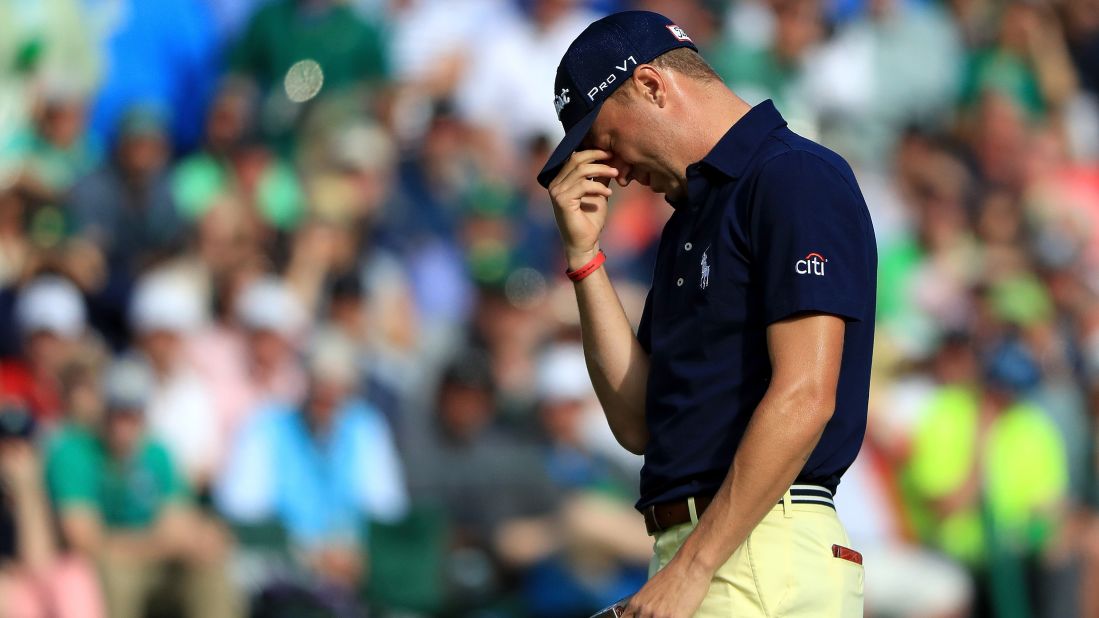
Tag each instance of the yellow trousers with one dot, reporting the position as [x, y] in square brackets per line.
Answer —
[786, 568]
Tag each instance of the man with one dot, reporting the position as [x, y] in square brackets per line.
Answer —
[52, 323]
[165, 313]
[320, 470]
[37, 578]
[746, 385]
[122, 503]
[126, 207]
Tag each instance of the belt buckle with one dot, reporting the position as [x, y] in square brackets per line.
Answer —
[652, 516]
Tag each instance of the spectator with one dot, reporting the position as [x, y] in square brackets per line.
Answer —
[201, 177]
[248, 359]
[1029, 62]
[48, 45]
[321, 470]
[485, 479]
[602, 551]
[126, 207]
[283, 32]
[275, 322]
[989, 478]
[56, 150]
[36, 580]
[349, 317]
[507, 74]
[180, 413]
[51, 317]
[566, 401]
[349, 51]
[776, 71]
[234, 164]
[123, 504]
[896, 64]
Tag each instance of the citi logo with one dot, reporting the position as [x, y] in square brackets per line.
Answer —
[561, 100]
[813, 264]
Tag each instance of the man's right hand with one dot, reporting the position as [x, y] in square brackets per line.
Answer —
[579, 195]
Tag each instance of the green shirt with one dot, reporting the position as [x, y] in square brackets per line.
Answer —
[199, 180]
[57, 168]
[1006, 73]
[348, 49]
[755, 73]
[1025, 474]
[130, 494]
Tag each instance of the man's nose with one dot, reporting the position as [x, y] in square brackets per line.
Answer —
[623, 177]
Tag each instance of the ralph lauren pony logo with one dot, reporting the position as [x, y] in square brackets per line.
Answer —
[704, 280]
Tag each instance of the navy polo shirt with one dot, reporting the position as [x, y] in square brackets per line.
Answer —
[773, 226]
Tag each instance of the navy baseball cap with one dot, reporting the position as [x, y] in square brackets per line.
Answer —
[596, 63]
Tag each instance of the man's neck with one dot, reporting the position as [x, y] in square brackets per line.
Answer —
[719, 109]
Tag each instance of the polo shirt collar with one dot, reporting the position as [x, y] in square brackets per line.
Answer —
[731, 154]
[734, 150]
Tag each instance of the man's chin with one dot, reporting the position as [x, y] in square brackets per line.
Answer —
[675, 194]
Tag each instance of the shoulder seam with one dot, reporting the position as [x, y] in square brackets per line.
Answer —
[790, 149]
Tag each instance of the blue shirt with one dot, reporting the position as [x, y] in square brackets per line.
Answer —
[320, 488]
[773, 225]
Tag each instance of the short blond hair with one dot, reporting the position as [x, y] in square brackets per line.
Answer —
[682, 60]
[686, 61]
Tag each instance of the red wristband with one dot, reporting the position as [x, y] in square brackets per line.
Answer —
[587, 269]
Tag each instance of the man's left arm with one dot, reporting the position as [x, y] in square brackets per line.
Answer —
[805, 355]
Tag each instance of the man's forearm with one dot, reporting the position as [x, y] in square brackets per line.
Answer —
[618, 366]
[168, 537]
[779, 439]
[32, 516]
[135, 546]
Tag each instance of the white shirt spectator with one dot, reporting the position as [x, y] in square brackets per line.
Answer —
[182, 415]
[507, 85]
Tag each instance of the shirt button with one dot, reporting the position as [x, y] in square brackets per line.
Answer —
[687, 247]
[679, 282]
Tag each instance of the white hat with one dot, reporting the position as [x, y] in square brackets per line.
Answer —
[267, 304]
[53, 304]
[333, 357]
[128, 384]
[563, 374]
[165, 301]
[362, 146]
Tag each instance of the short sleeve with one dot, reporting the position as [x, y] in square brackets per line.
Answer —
[644, 327]
[380, 485]
[71, 473]
[811, 239]
[245, 490]
[169, 480]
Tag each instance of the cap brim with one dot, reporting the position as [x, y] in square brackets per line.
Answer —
[568, 145]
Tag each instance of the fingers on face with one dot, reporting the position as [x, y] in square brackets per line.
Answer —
[592, 203]
[595, 170]
[586, 156]
[597, 187]
[578, 160]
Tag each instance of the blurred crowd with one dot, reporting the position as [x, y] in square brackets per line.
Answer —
[286, 339]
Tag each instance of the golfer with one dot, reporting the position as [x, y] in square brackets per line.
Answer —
[746, 385]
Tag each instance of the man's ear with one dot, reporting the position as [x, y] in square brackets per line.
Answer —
[649, 83]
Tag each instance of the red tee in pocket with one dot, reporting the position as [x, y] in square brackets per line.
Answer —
[846, 553]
